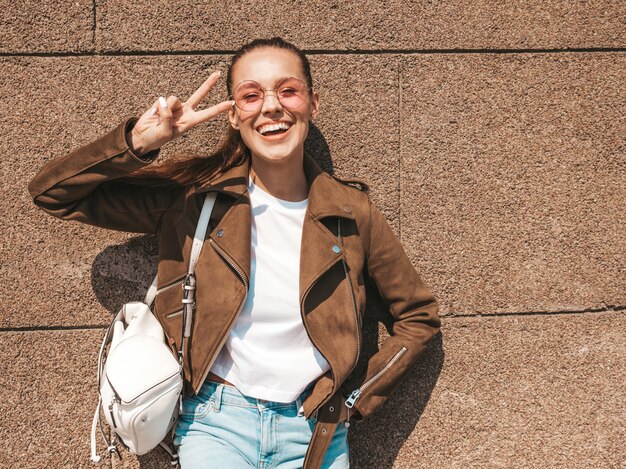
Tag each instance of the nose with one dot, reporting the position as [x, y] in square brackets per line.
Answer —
[271, 104]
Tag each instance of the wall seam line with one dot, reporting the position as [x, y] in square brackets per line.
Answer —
[612, 309]
[94, 25]
[42, 328]
[314, 52]
[399, 176]
[607, 309]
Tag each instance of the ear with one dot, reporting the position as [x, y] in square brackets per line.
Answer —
[315, 104]
[232, 118]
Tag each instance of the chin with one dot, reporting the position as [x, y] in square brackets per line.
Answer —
[276, 151]
[277, 156]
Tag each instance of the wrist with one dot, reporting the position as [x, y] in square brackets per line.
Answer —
[134, 143]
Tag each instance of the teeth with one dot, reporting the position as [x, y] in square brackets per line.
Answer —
[267, 128]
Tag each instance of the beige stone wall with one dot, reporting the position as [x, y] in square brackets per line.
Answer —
[493, 134]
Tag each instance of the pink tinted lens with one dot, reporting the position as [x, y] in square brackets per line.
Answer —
[248, 96]
[291, 92]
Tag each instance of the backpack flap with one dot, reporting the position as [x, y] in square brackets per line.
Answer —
[138, 361]
[141, 321]
[137, 365]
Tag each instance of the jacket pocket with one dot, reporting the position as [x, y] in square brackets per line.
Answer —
[175, 314]
[168, 308]
[169, 298]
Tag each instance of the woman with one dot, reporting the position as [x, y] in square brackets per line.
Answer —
[280, 280]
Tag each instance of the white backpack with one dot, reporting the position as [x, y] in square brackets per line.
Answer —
[141, 383]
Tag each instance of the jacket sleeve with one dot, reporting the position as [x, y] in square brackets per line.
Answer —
[89, 185]
[412, 306]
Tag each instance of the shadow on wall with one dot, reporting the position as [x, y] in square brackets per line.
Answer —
[122, 273]
[377, 440]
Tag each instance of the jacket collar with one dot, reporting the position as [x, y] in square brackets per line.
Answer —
[319, 248]
[327, 197]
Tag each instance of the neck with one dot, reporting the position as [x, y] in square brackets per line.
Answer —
[285, 180]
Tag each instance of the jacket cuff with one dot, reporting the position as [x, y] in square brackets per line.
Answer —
[385, 370]
[110, 153]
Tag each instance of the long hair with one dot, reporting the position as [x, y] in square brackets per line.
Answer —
[232, 151]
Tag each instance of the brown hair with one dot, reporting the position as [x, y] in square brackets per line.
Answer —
[232, 151]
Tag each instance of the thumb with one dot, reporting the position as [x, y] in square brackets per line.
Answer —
[154, 109]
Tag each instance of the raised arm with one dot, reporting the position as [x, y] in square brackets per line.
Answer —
[87, 185]
[90, 184]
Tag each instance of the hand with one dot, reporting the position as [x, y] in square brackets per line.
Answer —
[168, 119]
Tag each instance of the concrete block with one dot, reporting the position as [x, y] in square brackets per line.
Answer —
[506, 392]
[512, 179]
[357, 123]
[352, 25]
[54, 26]
[49, 395]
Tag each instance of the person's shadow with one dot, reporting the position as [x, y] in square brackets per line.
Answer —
[377, 440]
[122, 273]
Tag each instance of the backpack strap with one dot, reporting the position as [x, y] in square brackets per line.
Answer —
[198, 240]
[189, 292]
[188, 306]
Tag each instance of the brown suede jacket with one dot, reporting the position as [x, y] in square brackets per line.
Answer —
[89, 185]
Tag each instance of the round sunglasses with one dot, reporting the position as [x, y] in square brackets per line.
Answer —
[291, 92]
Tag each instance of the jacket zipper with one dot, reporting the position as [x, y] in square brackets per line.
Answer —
[351, 400]
[172, 285]
[354, 307]
[243, 302]
[356, 318]
[313, 342]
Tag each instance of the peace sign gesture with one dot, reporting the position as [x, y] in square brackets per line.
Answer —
[168, 119]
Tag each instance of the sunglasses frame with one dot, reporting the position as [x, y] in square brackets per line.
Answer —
[265, 90]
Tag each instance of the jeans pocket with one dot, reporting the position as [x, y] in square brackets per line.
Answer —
[197, 407]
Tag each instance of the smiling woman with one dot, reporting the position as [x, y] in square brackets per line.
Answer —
[270, 367]
[270, 91]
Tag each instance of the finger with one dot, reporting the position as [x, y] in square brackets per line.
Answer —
[174, 103]
[154, 109]
[204, 89]
[165, 114]
[210, 113]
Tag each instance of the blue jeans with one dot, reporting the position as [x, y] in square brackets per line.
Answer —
[222, 428]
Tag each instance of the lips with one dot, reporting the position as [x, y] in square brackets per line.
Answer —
[273, 126]
[274, 130]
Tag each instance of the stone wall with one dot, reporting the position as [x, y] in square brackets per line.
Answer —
[493, 135]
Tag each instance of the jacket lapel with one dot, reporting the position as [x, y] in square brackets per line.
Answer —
[232, 234]
[319, 249]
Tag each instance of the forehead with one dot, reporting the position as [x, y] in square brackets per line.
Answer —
[267, 65]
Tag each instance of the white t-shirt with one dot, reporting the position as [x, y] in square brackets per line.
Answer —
[268, 354]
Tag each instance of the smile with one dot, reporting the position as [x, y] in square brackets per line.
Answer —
[272, 131]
